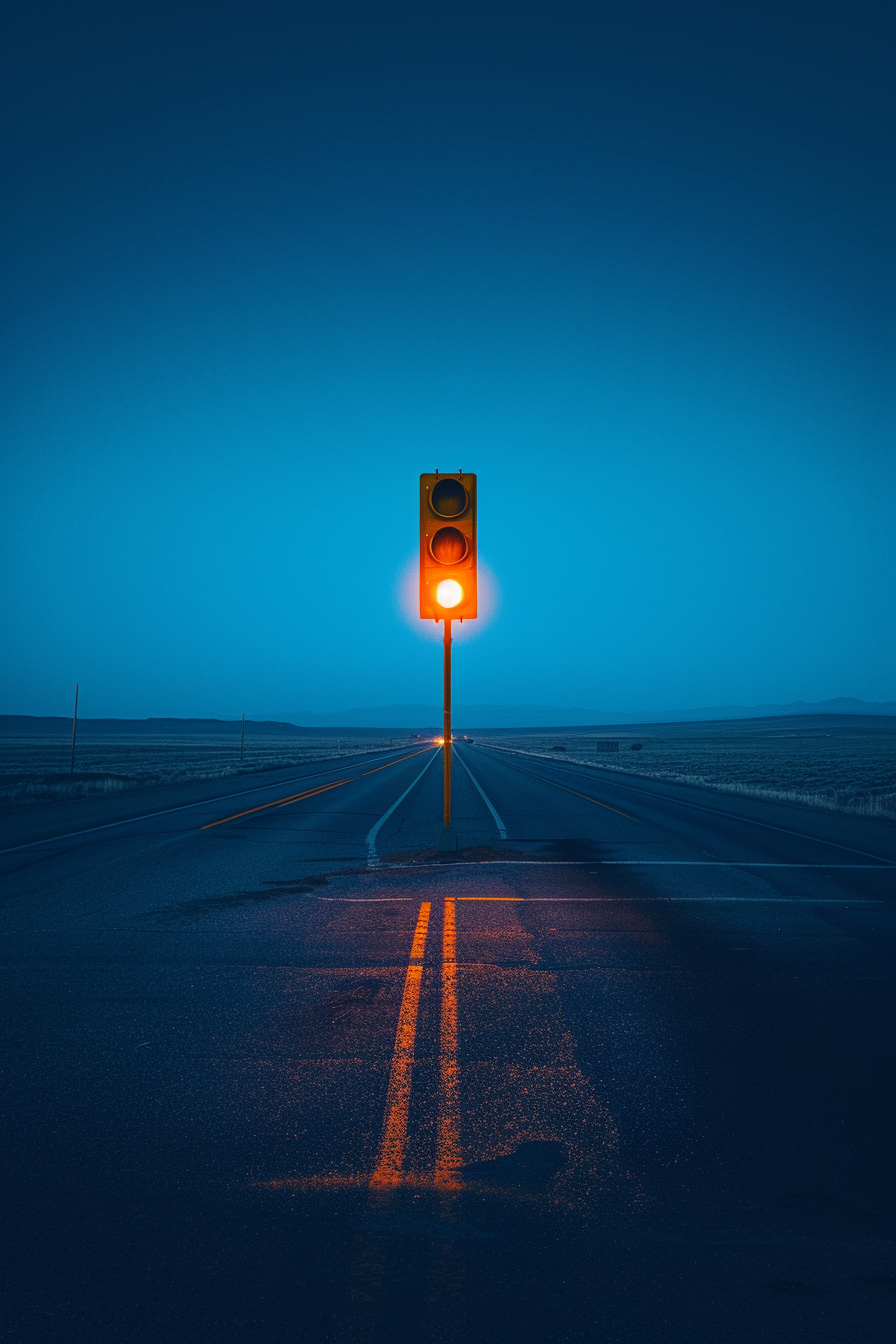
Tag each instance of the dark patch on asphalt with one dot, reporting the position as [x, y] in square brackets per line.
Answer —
[291, 886]
[882, 940]
[823, 1203]
[791, 1288]
[412, 1224]
[474, 854]
[272, 890]
[532, 1166]
[346, 998]
[573, 849]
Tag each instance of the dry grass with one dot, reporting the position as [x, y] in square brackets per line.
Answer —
[840, 772]
[35, 768]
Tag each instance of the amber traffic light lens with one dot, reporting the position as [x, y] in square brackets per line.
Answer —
[449, 594]
[449, 498]
[448, 546]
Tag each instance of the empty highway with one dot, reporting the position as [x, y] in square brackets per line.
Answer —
[622, 1072]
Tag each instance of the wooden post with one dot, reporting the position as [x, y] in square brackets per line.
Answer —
[74, 730]
[446, 728]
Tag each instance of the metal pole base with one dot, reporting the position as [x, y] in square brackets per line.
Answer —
[447, 846]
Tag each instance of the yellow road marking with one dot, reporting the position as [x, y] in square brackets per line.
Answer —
[586, 796]
[309, 793]
[448, 1128]
[395, 1123]
[297, 797]
[278, 802]
[398, 762]
[595, 801]
[491, 898]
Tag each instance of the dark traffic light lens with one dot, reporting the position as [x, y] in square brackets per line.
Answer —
[448, 546]
[449, 498]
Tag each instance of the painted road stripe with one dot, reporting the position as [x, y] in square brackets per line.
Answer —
[701, 807]
[166, 811]
[309, 793]
[502, 830]
[374, 830]
[715, 900]
[448, 1161]
[587, 796]
[625, 900]
[625, 863]
[730, 863]
[278, 802]
[401, 758]
[398, 1099]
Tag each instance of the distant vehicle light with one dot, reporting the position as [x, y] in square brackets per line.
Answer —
[449, 593]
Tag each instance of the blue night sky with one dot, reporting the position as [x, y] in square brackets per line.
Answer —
[266, 262]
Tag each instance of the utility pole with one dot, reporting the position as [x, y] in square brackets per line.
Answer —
[446, 731]
[74, 730]
[242, 735]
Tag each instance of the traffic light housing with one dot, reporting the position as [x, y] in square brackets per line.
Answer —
[447, 546]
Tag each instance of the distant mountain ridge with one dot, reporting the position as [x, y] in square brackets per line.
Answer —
[27, 725]
[422, 718]
[417, 717]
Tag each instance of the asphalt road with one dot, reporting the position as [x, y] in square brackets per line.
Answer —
[624, 1072]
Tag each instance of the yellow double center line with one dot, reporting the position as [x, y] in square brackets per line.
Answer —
[389, 1169]
[309, 793]
[448, 1128]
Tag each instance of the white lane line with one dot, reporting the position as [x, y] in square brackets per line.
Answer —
[374, 830]
[729, 863]
[627, 900]
[700, 807]
[636, 863]
[502, 830]
[165, 811]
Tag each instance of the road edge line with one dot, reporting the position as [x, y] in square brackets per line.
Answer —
[374, 830]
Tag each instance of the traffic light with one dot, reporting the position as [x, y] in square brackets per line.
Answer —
[447, 546]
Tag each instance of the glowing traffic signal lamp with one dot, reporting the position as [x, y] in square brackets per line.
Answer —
[447, 546]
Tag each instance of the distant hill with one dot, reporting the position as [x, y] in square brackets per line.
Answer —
[428, 718]
[420, 717]
[26, 725]
[773, 725]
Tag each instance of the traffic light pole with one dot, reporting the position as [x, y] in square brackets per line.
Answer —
[446, 728]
